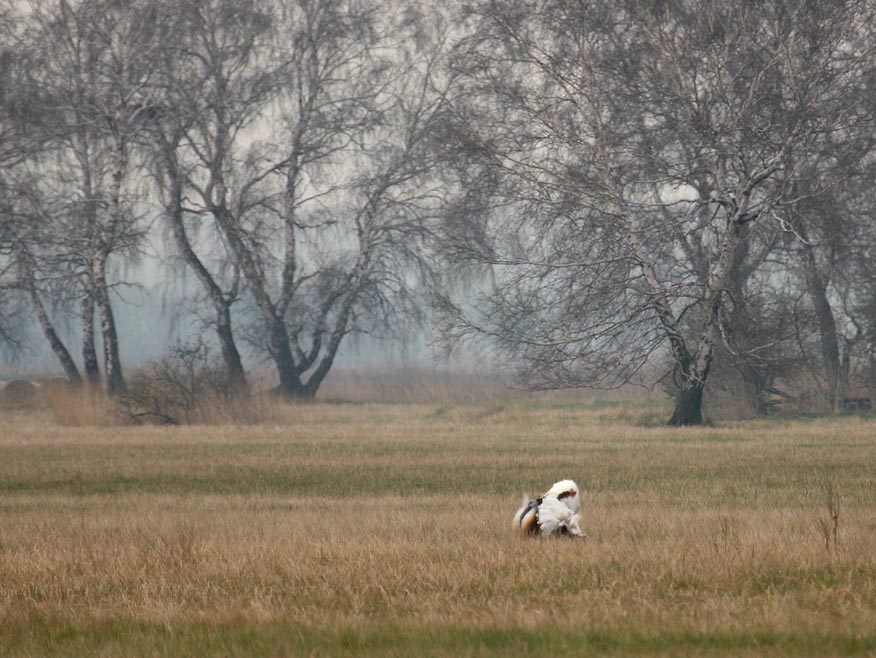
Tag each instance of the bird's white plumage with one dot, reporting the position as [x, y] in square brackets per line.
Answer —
[556, 512]
[566, 491]
[553, 515]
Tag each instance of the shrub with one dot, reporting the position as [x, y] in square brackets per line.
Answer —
[187, 386]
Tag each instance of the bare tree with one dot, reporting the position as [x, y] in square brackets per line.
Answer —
[830, 237]
[630, 150]
[212, 88]
[361, 106]
[309, 156]
[21, 234]
[94, 62]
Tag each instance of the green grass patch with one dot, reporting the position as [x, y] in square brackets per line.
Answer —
[206, 640]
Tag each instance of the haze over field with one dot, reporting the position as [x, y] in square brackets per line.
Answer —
[597, 195]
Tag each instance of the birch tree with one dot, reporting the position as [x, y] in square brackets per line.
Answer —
[215, 83]
[353, 174]
[93, 65]
[633, 150]
[309, 157]
[22, 229]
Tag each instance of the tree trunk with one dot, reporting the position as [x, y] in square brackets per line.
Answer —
[89, 353]
[689, 402]
[278, 336]
[755, 389]
[340, 329]
[694, 367]
[688, 405]
[29, 284]
[221, 303]
[230, 355]
[115, 382]
[827, 331]
[754, 376]
[287, 370]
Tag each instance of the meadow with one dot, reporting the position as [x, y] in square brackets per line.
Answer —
[384, 530]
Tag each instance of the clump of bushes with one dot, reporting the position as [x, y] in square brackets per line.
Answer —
[18, 394]
[187, 386]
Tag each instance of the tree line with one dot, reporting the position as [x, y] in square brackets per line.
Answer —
[634, 191]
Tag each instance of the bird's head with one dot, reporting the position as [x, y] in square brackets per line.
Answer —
[568, 492]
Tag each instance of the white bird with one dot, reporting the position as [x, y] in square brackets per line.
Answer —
[554, 513]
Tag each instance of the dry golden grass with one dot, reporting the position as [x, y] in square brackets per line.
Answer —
[367, 530]
[87, 408]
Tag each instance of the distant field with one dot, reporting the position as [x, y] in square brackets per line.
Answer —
[384, 530]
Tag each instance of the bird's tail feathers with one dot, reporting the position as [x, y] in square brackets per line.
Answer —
[526, 518]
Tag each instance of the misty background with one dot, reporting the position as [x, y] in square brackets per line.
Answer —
[154, 314]
[221, 197]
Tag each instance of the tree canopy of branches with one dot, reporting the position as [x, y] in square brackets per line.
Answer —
[624, 164]
[290, 148]
[673, 183]
[87, 69]
[299, 132]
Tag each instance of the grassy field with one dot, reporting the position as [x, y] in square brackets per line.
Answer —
[384, 530]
